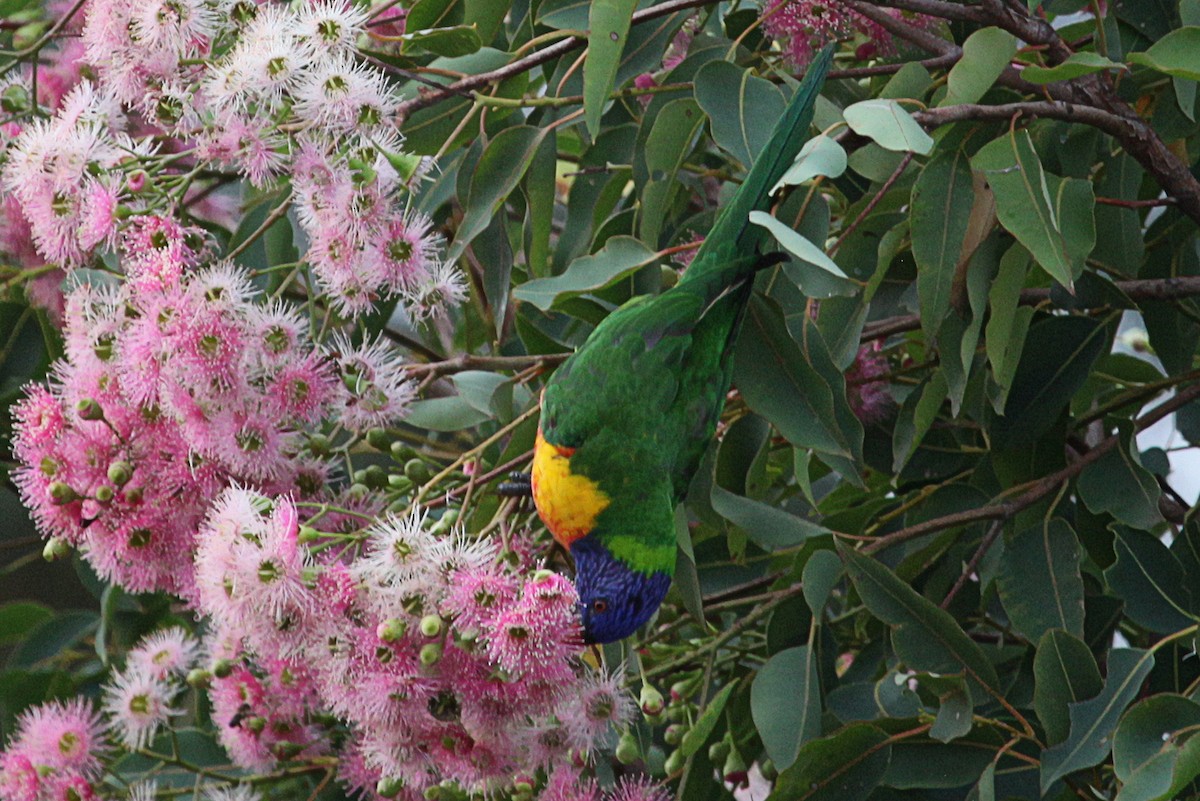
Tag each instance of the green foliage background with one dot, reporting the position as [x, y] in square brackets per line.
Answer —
[992, 593]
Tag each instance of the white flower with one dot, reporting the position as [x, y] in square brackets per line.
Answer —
[137, 704]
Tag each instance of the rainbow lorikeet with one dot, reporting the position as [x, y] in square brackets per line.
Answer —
[627, 418]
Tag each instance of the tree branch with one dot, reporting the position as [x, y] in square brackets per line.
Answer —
[474, 82]
[1139, 289]
[1007, 509]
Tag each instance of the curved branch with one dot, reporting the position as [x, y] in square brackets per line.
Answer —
[1007, 509]
[474, 82]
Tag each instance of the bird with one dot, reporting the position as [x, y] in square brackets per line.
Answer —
[626, 419]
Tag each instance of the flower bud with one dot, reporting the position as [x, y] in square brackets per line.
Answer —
[88, 409]
[255, 724]
[399, 482]
[719, 751]
[674, 762]
[307, 534]
[402, 452]
[628, 751]
[55, 548]
[734, 770]
[199, 678]
[119, 473]
[651, 700]
[61, 493]
[431, 652]
[287, 750]
[674, 733]
[378, 439]
[319, 445]
[103, 493]
[417, 470]
[376, 477]
[431, 626]
[391, 629]
[137, 181]
[222, 668]
[389, 786]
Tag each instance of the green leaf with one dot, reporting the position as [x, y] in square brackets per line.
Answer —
[620, 257]
[1147, 732]
[1008, 322]
[986, 53]
[425, 14]
[1117, 484]
[737, 102]
[795, 243]
[822, 572]
[941, 209]
[669, 143]
[452, 413]
[797, 395]
[19, 618]
[1150, 580]
[925, 637]
[916, 417]
[768, 526]
[53, 637]
[1040, 583]
[1041, 387]
[1052, 217]
[1064, 672]
[1177, 54]
[954, 718]
[1077, 65]
[889, 125]
[845, 766]
[484, 391]
[819, 156]
[785, 702]
[1167, 773]
[608, 29]
[1093, 721]
[698, 735]
[500, 169]
[457, 40]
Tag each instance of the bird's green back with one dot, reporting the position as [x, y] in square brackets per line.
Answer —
[640, 400]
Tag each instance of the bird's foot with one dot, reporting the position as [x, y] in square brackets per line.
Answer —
[518, 486]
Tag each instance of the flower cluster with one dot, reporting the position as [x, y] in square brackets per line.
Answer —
[138, 699]
[805, 26]
[174, 384]
[272, 90]
[54, 753]
[446, 664]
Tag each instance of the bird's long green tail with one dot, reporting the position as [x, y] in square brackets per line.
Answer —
[732, 226]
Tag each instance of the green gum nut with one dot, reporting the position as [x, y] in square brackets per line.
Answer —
[674, 762]
[119, 473]
[222, 668]
[199, 678]
[402, 452]
[391, 629]
[416, 470]
[431, 653]
[389, 786]
[627, 751]
[651, 701]
[55, 549]
[431, 626]
[378, 439]
[61, 493]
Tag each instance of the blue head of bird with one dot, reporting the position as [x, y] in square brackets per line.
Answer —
[614, 599]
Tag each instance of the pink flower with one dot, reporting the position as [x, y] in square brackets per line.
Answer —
[867, 387]
[138, 704]
[61, 738]
[164, 653]
[640, 788]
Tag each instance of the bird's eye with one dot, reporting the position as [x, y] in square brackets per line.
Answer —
[600, 605]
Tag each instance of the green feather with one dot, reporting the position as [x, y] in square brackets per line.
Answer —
[640, 400]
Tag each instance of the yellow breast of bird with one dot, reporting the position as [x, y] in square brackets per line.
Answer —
[567, 502]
